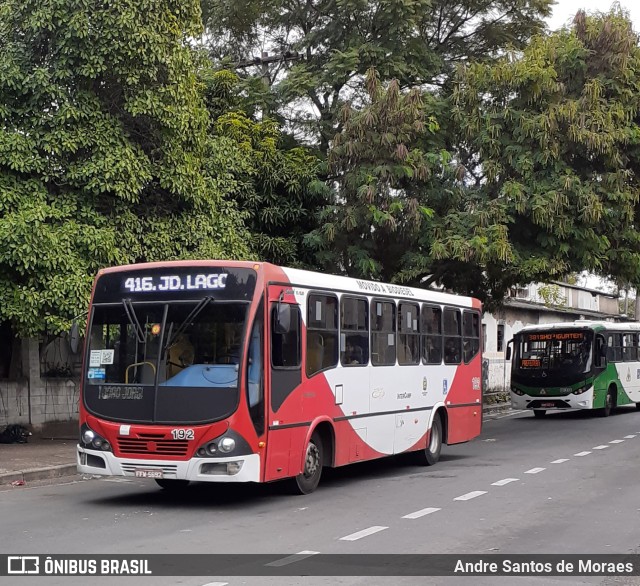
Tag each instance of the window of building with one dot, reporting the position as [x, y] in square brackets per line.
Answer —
[452, 336]
[383, 333]
[354, 331]
[408, 333]
[500, 339]
[431, 334]
[322, 333]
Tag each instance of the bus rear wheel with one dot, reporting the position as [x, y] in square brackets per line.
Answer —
[539, 413]
[308, 480]
[431, 453]
[172, 484]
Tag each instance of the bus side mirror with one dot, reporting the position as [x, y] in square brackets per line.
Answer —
[282, 324]
[74, 337]
[508, 354]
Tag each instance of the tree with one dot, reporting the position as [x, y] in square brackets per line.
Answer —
[274, 183]
[417, 42]
[552, 179]
[102, 148]
[381, 179]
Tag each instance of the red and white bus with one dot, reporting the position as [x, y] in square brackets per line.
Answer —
[224, 371]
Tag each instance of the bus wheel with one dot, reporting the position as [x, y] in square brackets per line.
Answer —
[172, 484]
[431, 454]
[539, 413]
[638, 406]
[609, 403]
[308, 481]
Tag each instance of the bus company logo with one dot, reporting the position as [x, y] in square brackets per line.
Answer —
[445, 386]
[404, 395]
[23, 564]
[424, 386]
[543, 391]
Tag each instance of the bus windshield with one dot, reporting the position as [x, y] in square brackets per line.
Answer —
[165, 362]
[562, 356]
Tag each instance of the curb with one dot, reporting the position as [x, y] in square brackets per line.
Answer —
[31, 474]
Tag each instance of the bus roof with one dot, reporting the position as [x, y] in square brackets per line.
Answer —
[312, 279]
[584, 323]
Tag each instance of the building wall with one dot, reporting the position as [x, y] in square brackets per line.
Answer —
[36, 404]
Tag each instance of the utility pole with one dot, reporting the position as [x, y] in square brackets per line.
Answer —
[265, 60]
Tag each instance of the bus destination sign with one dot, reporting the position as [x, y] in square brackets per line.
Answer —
[183, 282]
[555, 336]
[195, 282]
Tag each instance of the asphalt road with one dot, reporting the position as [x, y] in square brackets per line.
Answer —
[567, 484]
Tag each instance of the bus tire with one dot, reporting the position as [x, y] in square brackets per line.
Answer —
[638, 406]
[609, 403]
[172, 484]
[539, 413]
[431, 453]
[308, 480]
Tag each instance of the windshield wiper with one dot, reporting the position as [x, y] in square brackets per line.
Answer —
[187, 320]
[133, 320]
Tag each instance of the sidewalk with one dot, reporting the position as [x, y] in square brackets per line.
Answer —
[43, 457]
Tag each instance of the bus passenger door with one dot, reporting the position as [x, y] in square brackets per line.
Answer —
[285, 376]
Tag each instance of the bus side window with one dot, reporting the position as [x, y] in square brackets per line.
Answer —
[285, 347]
[354, 331]
[431, 318]
[614, 348]
[383, 332]
[452, 336]
[322, 333]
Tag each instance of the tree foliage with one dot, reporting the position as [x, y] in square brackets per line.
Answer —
[274, 184]
[102, 148]
[554, 133]
[417, 42]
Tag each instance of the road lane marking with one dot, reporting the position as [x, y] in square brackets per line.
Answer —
[504, 481]
[470, 495]
[534, 470]
[582, 454]
[616, 441]
[421, 513]
[292, 559]
[216, 584]
[600, 448]
[560, 461]
[363, 533]
[629, 436]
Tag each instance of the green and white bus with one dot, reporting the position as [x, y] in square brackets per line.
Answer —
[575, 365]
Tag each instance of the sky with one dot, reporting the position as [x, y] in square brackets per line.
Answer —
[565, 10]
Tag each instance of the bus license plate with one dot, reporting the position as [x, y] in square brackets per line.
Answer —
[548, 405]
[141, 473]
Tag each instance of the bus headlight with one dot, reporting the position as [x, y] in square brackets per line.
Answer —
[91, 440]
[581, 390]
[517, 392]
[227, 444]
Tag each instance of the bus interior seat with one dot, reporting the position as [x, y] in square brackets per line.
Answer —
[315, 352]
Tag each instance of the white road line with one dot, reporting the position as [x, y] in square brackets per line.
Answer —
[616, 441]
[600, 447]
[504, 481]
[582, 454]
[534, 470]
[560, 461]
[216, 584]
[420, 513]
[292, 559]
[363, 533]
[470, 495]
[511, 414]
[629, 436]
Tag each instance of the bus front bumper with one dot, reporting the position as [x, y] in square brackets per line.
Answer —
[528, 402]
[234, 469]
